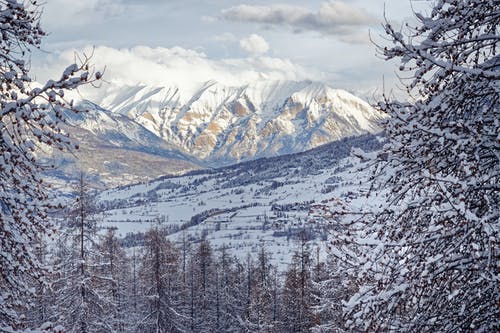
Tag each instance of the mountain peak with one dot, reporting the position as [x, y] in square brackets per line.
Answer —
[221, 124]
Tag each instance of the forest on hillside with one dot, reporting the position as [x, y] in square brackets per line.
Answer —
[427, 260]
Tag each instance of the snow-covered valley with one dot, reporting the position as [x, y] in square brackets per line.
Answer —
[271, 202]
[138, 133]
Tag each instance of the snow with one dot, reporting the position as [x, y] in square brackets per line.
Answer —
[245, 215]
[225, 124]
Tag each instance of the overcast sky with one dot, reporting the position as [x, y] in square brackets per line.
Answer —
[233, 41]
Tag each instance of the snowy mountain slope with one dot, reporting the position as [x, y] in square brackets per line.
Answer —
[266, 201]
[222, 125]
[116, 150]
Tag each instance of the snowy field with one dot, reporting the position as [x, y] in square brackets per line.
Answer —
[242, 207]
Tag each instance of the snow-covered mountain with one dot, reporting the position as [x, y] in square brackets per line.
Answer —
[266, 201]
[115, 150]
[221, 125]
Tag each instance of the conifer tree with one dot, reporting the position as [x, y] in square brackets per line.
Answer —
[159, 276]
[298, 292]
[30, 118]
[290, 305]
[331, 288]
[228, 281]
[429, 260]
[203, 287]
[39, 310]
[132, 292]
[113, 266]
[80, 304]
[247, 285]
[261, 308]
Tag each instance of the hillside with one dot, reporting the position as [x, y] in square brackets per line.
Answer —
[115, 150]
[268, 200]
[222, 125]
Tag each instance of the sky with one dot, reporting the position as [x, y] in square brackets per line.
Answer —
[161, 42]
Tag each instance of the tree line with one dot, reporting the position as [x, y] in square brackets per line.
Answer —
[96, 285]
[426, 261]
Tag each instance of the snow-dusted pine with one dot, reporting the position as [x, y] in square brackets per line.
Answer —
[30, 117]
[84, 281]
[429, 260]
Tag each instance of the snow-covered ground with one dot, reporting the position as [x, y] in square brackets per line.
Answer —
[266, 202]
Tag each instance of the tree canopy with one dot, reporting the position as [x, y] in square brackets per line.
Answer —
[428, 261]
[30, 118]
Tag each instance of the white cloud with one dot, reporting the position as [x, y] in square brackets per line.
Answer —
[339, 13]
[274, 14]
[334, 18]
[58, 14]
[174, 67]
[254, 44]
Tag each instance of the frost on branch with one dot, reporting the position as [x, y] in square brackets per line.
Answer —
[432, 260]
[29, 117]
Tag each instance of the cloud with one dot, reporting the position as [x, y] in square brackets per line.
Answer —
[333, 18]
[254, 44]
[174, 67]
[59, 14]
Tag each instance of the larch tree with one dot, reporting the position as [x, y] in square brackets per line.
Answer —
[261, 317]
[428, 261]
[81, 275]
[247, 287]
[205, 291]
[112, 265]
[38, 311]
[159, 277]
[30, 117]
[298, 292]
[331, 287]
[290, 304]
[228, 281]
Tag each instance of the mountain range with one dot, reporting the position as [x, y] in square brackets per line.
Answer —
[241, 166]
[222, 125]
[268, 201]
[134, 133]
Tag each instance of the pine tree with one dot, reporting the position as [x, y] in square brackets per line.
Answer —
[429, 260]
[298, 292]
[159, 277]
[81, 303]
[229, 279]
[114, 267]
[261, 308]
[29, 119]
